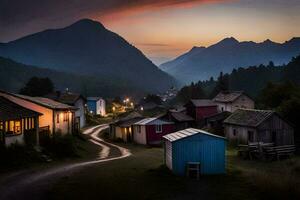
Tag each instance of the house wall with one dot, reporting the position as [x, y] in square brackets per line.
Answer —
[92, 106]
[63, 126]
[241, 136]
[202, 112]
[139, 137]
[14, 139]
[241, 102]
[80, 104]
[208, 150]
[283, 132]
[101, 107]
[156, 138]
[168, 154]
[44, 120]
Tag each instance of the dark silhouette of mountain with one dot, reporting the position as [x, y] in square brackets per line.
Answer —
[14, 76]
[201, 63]
[88, 48]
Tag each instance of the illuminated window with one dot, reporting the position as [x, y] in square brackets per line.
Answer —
[32, 123]
[14, 127]
[1, 125]
[57, 118]
[65, 116]
[25, 123]
[17, 128]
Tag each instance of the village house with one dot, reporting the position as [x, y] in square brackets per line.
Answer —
[56, 118]
[247, 126]
[17, 124]
[76, 100]
[180, 119]
[194, 151]
[199, 109]
[96, 106]
[122, 129]
[149, 131]
[232, 100]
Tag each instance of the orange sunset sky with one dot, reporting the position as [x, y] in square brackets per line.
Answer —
[162, 29]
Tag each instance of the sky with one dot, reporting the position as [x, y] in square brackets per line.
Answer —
[162, 29]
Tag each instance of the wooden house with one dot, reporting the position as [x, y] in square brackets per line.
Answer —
[17, 124]
[76, 100]
[215, 122]
[149, 131]
[96, 106]
[246, 126]
[197, 147]
[199, 109]
[230, 101]
[56, 118]
[122, 128]
[180, 119]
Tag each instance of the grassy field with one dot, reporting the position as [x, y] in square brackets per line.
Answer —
[142, 176]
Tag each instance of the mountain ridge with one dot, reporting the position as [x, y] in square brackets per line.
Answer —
[227, 54]
[86, 47]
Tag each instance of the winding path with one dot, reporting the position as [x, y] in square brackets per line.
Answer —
[30, 184]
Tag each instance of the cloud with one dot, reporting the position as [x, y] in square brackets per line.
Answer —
[22, 17]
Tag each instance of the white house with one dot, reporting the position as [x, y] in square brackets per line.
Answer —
[232, 100]
[96, 106]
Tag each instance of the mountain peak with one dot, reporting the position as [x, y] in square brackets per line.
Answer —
[87, 23]
[268, 41]
[228, 41]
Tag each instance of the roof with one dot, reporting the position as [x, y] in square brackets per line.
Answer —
[151, 120]
[228, 96]
[172, 137]
[203, 102]
[128, 122]
[65, 97]
[181, 117]
[248, 117]
[93, 98]
[10, 110]
[48, 103]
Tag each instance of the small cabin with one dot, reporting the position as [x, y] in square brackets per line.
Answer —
[149, 131]
[195, 146]
[199, 109]
[180, 119]
[18, 125]
[122, 128]
[96, 106]
[246, 126]
[230, 101]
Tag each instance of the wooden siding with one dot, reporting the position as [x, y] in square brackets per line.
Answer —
[168, 154]
[208, 150]
[155, 138]
[241, 102]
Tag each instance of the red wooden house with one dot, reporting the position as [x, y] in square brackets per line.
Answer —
[199, 109]
[149, 131]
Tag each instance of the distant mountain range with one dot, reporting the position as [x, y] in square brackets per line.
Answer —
[88, 48]
[200, 63]
[13, 76]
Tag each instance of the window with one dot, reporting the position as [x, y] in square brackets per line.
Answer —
[65, 117]
[57, 118]
[234, 132]
[222, 108]
[14, 127]
[158, 128]
[1, 126]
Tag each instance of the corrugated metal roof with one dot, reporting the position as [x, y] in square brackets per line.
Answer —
[10, 110]
[248, 117]
[152, 121]
[145, 121]
[49, 103]
[172, 137]
[228, 96]
[203, 102]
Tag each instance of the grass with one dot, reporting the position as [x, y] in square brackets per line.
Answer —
[142, 176]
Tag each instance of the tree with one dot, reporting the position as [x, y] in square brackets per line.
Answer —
[153, 99]
[222, 84]
[193, 91]
[37, 87]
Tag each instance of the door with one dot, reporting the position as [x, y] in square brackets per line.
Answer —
[274, 137]
[250, 136]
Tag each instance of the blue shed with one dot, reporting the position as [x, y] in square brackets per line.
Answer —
[194, 145]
